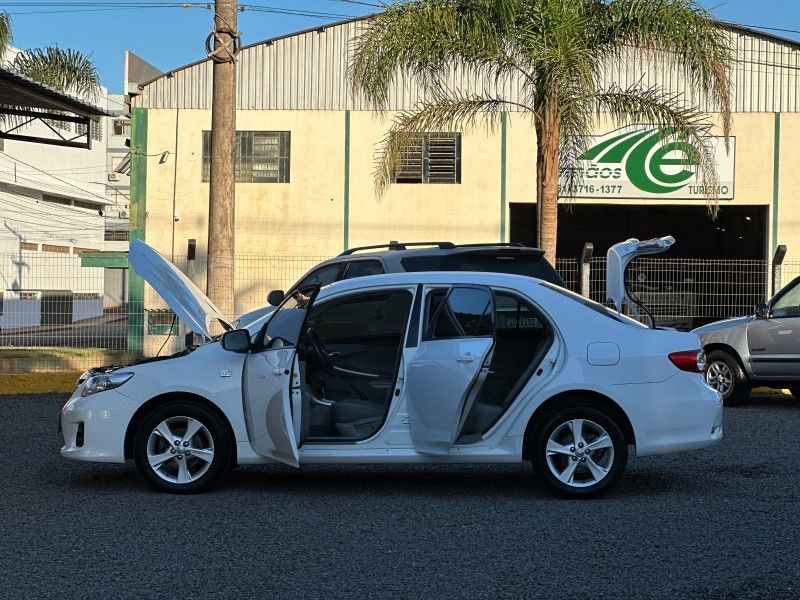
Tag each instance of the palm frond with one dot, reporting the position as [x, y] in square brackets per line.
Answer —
[668, 112]
[64, 69]
[5, 32]
[673, 32]
[428, 39]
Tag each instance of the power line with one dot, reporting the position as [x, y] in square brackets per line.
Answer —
[105, 200]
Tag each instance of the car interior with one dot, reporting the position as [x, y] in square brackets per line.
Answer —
[521, 340]
[350, 354]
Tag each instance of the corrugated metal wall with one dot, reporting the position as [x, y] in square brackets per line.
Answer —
[307, 71]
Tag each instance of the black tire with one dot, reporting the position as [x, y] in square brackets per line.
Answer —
[214, 428]
[615, 462]
[739, 391]
[795, 392]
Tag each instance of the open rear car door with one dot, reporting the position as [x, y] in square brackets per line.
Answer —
[446, 374]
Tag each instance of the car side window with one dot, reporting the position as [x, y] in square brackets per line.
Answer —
[363, 268]
[465, 312]
[323, 276]
[788, 305]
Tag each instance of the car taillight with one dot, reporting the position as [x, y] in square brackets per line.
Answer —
[693, 361]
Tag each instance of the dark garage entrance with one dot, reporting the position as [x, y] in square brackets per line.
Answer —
[716, 269]
[739, 232]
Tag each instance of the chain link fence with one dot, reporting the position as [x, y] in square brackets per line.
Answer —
[49, 300]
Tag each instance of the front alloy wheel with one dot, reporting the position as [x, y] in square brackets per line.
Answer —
[725, 375]
[181, 447]
[580, 451]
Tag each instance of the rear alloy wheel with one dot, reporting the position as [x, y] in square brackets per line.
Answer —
[580, 452]
[724, 374]
[181, 447]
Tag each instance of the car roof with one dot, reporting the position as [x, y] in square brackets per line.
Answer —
[433, 278]
[401, 249]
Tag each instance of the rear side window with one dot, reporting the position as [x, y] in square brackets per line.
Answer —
[322, 276]
[466, 312]
[493, 262]
[362, 268]
[515, 264]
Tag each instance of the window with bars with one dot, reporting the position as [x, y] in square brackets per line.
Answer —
[431, 158]
[261, 156]
[95, 128]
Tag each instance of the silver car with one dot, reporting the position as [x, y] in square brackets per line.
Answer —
[761, 349]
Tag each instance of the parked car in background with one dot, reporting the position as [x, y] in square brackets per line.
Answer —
[760, 349]
[442, 367]
[397, 257]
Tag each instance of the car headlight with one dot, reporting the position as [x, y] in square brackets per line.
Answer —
[106, 381]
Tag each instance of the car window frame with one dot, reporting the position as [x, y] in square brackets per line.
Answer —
[430, 322]
[790, 287]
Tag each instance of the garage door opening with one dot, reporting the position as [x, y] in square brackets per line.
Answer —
[716, 269]
[739, 232]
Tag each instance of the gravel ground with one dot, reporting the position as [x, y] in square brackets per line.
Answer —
[718, 523]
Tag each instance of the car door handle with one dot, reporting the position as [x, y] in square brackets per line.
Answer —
[465, 358]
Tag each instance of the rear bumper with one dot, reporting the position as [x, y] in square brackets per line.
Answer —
[103, 418]
[679, 414]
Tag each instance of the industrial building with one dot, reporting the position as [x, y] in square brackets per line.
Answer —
[306, 153]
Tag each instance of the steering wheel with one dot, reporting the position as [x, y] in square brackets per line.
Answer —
[323, 358]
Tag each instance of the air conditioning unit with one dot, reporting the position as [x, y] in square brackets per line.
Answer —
[123, 214]
[113, 176]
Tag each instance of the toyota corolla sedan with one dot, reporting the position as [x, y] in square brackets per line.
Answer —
[433, 367]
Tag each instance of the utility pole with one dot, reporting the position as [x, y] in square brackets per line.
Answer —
[222, 45]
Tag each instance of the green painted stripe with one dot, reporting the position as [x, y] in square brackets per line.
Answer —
[776, 174]
[138, 212]
[503, 118]
[112, 260]
[346, 217]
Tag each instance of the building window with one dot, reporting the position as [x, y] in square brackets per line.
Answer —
[261, 156]
[77, 250]
[122, 127]
[116, 235]
[430, 158]
[96, 128]
[28, 246]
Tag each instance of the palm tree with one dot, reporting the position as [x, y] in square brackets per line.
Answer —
[63, 69]
[556, 50]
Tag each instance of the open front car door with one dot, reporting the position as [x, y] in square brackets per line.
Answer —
[446, 374]
[268, 377]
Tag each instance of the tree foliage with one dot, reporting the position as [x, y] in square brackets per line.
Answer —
[549, 59]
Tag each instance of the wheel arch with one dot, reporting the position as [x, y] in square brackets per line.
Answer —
[576, 398]
[727, 349]
[140, 413]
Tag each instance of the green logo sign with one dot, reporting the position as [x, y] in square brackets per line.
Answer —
[643, 166]
[646, 161]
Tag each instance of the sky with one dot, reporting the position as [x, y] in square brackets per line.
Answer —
[171, 36]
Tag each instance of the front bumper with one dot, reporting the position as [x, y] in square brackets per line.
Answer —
[94, 427]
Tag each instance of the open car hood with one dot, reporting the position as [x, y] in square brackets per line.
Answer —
[618, 258]
[184, 298]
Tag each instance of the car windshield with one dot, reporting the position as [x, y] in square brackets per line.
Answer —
[595, 306]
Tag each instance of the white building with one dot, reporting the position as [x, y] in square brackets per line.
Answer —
[53, 205]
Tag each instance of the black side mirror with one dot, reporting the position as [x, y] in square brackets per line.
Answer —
[275, 297]
[762, 310]
[237, 340]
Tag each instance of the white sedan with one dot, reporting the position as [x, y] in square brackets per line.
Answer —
[447, 367]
